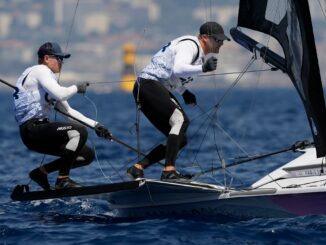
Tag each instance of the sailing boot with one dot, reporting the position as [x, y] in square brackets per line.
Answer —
[65, 183]
[135, 173]
[174, 175]
[40, 178]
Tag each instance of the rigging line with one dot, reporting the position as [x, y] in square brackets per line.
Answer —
[226, 172]
[223, 163]
[69, 33]
[219, 152]
[323, 10]
[120, 81]
[116, 171]
[215, 141]
[93, 104]
[231, 86]
[221, 158]
[124, 164]
[138, 106]
[139, 44]
[71, 26]
[294, 147]
[206, 10]
[68, 39]
[243, 132]
[137, 124]
[196, 151]
[210, 9]
[201, 75]
[236, 72]
[236, 81]
[206, 133]
[41, 164]
[200, 145]
[221, 128]
[274, 180]
[108, 177]
[99, 164]
[200, 126]
[218, 104]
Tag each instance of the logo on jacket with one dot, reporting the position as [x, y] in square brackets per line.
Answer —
[64, 128]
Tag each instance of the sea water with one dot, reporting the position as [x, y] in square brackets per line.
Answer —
[245, 122]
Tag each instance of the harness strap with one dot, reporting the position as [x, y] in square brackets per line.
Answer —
[25, 79]
[189, 39]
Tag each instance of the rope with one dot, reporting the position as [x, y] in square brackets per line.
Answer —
[321, 7]
[226, 134]
[201, 75]
[69, 33]
[236, 72]
[71, 26]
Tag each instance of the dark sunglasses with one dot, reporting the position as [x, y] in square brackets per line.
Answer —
[58, 58]
[217, 40]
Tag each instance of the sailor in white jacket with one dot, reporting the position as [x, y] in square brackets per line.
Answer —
[36, 95]
[171, 68]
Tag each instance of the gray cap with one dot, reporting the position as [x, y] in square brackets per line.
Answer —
[51, 48]
[213, 29]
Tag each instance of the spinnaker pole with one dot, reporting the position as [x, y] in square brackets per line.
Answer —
[298, 145]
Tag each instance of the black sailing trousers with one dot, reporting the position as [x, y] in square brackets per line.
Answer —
[159, 106]
[64, 139]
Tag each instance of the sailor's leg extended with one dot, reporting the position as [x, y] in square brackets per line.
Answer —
[163, 111]
[176, 138]
[159, 152]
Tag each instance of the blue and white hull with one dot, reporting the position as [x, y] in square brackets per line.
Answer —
[280, 194]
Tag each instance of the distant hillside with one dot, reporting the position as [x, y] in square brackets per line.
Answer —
[101, 27]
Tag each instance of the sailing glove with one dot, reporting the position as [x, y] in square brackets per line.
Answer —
[81, 87]
[103, 132]
[189, 97]
[210, 64]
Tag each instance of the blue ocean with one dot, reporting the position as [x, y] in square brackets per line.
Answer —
[244, 122]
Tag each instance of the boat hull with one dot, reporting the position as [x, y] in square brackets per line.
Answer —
[157, 199]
